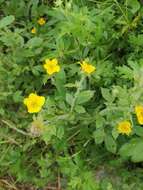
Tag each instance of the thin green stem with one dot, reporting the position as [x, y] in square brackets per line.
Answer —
[15, 129]
[124, 15]
[77, 93]
[76, 133]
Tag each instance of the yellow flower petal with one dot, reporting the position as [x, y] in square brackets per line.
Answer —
[47, 61]
[45, 66]
[25, 101]
[34, 109]
[54, 61]
[32, 95]
[57, 68]
[41, 100]
[139, 114]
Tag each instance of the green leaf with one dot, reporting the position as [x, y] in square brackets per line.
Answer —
[60, 132]
[99, 135]
[48, 133]
[126, 72]
[126, 150]
[134, 5]
[71, 85]
[115, 133]
[60, 80]
[138, 131]
[69, 99]
[107, 95]
[136, 40]
[36, 70]
[133, 150]
[6, 21]
[80, 109]
[34, 42]
[99, 121]
[17, 96]
[84, 96]
[110, 144]
[137, 154]
[2, 112]
[12, 39]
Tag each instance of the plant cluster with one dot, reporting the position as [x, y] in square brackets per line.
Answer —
[71, 90]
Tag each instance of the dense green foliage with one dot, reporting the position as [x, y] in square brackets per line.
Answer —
[79, 139]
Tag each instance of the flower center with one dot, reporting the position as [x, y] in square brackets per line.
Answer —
[34, 104]
[51, 67]
[126, 128]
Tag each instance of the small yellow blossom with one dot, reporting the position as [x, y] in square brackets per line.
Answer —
[41, 21]
[87, 68]
[124, 127]
[33, 30]
[51, 66]
[34, 103]
[139, 114]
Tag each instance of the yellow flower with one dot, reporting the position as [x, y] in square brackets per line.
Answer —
[124, 127]
[139, 114]
[34, 103]
[41, 21]
[33, 30]
[51, 66]
[87, 68]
